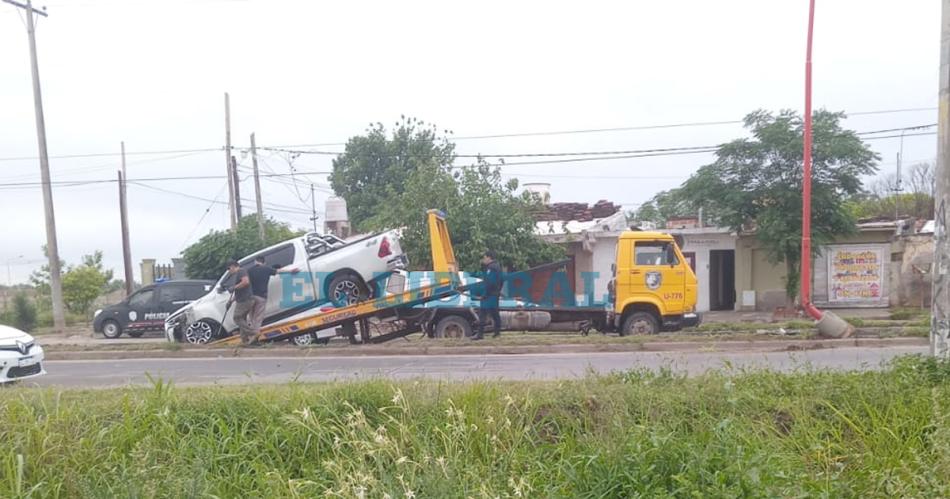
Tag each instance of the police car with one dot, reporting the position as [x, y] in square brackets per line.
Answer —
[147, 308]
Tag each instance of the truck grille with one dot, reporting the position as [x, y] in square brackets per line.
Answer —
[22, 372]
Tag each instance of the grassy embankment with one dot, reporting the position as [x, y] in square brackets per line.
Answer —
[724, 434]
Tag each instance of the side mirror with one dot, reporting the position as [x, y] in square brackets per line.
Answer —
[221, 289]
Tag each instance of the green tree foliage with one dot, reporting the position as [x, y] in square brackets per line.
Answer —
[757, 182]
[913, 198]
[207, 258]
[24, 312]
[484, 212]
[662, 207]
[82, 284]
[375, 167]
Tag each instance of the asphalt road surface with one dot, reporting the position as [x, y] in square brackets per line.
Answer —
[231, 370]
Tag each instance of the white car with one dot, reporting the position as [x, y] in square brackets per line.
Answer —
[330, 270]
[20, 356]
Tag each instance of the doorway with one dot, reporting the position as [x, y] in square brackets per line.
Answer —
[722, 279]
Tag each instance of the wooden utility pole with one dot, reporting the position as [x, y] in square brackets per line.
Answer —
[237, 189]
[257, 190]
[124, 215]
[313, 207]
[228, 159]
[52, 248]
[940, 308]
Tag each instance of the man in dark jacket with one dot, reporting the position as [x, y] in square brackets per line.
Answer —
[490, 292]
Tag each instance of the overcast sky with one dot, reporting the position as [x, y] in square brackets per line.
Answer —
[153, 73]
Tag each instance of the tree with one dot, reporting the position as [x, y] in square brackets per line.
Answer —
[82, 284]
[757, 183]
[24, 312]
[662, 207]
[484, 213]
[374, 168]
[882, 198]
[207, 258]
[39, 279]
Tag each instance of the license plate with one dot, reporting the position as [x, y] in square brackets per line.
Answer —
[26, 361]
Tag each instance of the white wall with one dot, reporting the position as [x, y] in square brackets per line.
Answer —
[604, 255]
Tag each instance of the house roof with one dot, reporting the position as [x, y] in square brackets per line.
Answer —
[552, 228]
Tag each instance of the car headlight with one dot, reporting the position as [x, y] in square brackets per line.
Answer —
[97, 312]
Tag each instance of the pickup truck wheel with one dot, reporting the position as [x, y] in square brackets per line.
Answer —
[453, 326]
[304, 340]
[111, 329]
[199, 333]
[640, 323]
[347, 289]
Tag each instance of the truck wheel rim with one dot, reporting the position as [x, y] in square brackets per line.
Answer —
[110, 329]
[197, 333]
[642, 326]
[304, 340]
[453, 331]
[346, 292]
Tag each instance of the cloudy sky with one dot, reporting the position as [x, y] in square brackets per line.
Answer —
[311, 74]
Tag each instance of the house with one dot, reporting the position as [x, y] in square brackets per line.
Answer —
[864, 270]
[589, 236]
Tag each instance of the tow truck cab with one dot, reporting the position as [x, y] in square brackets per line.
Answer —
[654, 287]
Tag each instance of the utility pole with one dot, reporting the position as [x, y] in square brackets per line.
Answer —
[124, 215]
[237, 189]
[124, 218]
[228, 160]
[257, 190]
[940, 307]
[313, 207]
[52, 248]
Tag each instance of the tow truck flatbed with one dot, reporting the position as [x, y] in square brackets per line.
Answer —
[348, 317]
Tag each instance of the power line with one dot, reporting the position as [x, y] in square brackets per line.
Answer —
[469, 137]
[523, 155]
[272, 207]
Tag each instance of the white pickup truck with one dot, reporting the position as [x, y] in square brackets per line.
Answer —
[331, 272]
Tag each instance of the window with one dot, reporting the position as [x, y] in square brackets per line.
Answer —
[654, 253]
[196, 291]
[142, 298]
[279, 257]
[170, 294]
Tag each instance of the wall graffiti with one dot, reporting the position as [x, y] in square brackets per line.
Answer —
[940, 320]
[855, 274]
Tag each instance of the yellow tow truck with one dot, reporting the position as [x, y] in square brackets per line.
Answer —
[653, 289]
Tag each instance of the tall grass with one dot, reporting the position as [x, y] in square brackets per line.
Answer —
[633, 434]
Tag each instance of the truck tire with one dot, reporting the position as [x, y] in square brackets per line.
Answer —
[640, 323]
[347, 289]
[453, 326]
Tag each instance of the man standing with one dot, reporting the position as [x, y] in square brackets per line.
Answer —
[239, 285]
[490, 292]
[259, 276]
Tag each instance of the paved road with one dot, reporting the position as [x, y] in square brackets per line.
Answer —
[102, 373]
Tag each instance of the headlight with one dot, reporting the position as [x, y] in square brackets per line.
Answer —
[97, 312]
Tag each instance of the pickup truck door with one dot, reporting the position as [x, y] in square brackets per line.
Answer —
[288, 292]
[657, 272]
